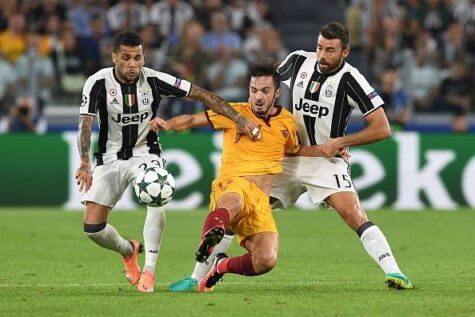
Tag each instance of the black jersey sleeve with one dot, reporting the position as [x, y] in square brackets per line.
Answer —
[285, 69]
[92, 91]
[170, 86]
[361, 93]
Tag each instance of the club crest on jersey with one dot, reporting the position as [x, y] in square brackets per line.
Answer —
[113, 92]
[314, 87]
[285, 133]
[129, 100]
[329, 90]
[303, 75]
[144, 98]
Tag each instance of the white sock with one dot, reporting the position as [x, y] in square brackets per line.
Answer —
[152, 236]
[110, 239]
[201, 269]
[378, 248]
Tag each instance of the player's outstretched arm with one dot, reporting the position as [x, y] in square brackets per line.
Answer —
[220, 106]
[180, 123]
[83, 173]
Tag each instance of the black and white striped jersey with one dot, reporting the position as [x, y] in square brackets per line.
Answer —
[126, 110]
[322, 103]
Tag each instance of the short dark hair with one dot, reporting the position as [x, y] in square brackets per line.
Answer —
[127, 39]
[265, 67]
[336, 30]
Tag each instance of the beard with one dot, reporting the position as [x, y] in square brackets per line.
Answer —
[127, 76]
[262, 111]
[328, 67]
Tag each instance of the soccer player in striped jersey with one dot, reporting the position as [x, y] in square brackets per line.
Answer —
[126, 98]
[324, 89]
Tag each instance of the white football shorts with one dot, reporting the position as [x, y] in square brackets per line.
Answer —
[109, 181]
[319, 176]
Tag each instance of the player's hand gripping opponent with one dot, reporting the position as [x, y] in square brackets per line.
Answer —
[333, 147]
[158, 124]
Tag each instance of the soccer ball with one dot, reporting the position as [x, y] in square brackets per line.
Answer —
[154, 186]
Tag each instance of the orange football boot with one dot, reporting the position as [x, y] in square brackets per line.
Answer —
[132, 269]
[147, 282]
[207, 283]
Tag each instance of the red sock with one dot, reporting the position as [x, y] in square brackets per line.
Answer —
[217, 218]
[241, 265]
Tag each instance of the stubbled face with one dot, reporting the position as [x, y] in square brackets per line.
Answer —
[262, 95]
[330, 54]
[128, 61]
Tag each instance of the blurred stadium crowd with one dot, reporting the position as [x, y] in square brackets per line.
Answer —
[418, 53]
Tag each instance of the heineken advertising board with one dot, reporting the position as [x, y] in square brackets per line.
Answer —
[409, 171]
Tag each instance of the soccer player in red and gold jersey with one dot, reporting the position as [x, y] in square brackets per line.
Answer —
[240, 194]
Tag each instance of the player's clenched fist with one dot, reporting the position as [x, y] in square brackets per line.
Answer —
[247, 127]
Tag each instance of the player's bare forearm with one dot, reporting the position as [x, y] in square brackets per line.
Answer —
[84, 138]
[366, 136]
[187, 121]
[318, 150]
[180, 123]
[218, 105]
[377, 129]
[306, 150]
[83, 173]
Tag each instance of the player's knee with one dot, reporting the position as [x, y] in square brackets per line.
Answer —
[95, 213]
[354, 216]
[232, 204]
[265, 262]
[93, 231]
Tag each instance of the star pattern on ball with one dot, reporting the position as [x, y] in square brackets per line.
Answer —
[162, 179]
[142, 185]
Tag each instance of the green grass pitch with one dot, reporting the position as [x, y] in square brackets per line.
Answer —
[49, 268]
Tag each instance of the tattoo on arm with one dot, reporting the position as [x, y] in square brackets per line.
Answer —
[84, 136]
[217, 104]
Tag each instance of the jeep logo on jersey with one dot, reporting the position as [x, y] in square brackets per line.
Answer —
[321, 111]
[129, 100]
[127, 119]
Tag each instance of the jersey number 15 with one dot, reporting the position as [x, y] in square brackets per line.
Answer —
[342, 178]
